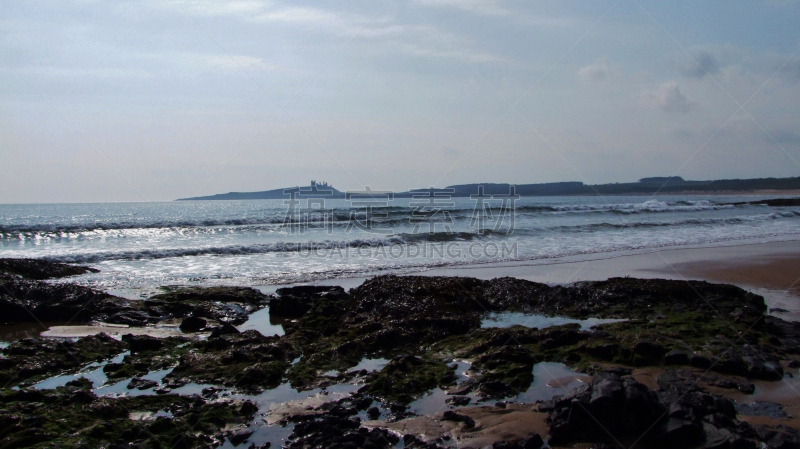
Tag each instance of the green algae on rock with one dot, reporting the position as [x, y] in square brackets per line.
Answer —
[73, 417]
[27, 361]
[406, 378]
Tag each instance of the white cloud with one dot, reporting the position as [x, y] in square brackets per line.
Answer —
[236, 62]
[598, 71]
[669, 98]
[327, 21]
[221, 7]
[495, 8]
[482, 7]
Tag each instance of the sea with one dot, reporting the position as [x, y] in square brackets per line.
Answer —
[139, 247]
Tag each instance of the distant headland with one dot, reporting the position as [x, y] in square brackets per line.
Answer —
[651, 185]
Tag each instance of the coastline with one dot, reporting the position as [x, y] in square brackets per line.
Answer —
[770, 265]
[366, 347]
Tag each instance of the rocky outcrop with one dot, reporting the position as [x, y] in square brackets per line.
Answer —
[294, 302]
[29, 360]
[610, 408]
[26, 301]
[226, 304]
[246, 360]
[406, 378]
[72, 416]
[678, 414]
[31, 301]
[37, 269]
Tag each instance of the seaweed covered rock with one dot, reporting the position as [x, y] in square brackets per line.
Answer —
[294, 302]
[405, 378]
[227, 304]
[645, 298]
[32, 359]
[504, 371]
[147, 354]
[31, 301]
[245, 360]
[72, 416]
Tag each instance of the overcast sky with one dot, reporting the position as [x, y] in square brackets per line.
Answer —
[155, 100]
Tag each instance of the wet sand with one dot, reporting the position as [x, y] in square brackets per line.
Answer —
[492, 424]
[115, 331]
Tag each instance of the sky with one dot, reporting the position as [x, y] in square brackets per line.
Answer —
[160, 99]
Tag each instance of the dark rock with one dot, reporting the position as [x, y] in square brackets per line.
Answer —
[761, 408]
[374, 413]
[294, 302]
[82, 397]
[21, 300]
[680, 433]
[31, 359]
[700, 361]
[141, 343]
[240, 436]
[450, 415]
[532, 442]
[716, 438]
[731, 383]
[459, 401]
[405, 378]
[136, 318]
[224, 304]
[610, 404]
[763, 366]
[193, 324]
[141, 384]
[225, 329]
[730, 362]
[780, 437]
[648, 352]
[66, 418]
[676, 357]
[248, 408]
[81, 382]
[37, 269]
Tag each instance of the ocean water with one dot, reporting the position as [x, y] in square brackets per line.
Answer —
[140, 246]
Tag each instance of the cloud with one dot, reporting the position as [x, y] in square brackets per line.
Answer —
[669, 98]
[698, 65]
[480, 7]
[239, 61]
[221, 8]
[598, 71]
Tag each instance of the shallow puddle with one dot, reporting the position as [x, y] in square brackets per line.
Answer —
[508, 319]
[551, 379]
[10, 333]
[275, 434]
[370, 365]
[121, 387]
[265, 324]
[93, 372]
[435, 400]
